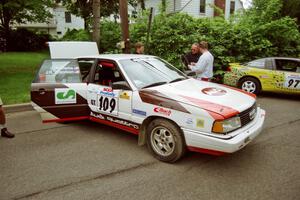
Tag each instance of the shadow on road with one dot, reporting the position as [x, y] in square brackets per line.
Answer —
[293, 97]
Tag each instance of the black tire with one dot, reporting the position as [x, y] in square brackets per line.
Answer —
[250, 84]
[165, 140]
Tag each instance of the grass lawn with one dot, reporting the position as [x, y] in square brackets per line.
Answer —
[17, 70]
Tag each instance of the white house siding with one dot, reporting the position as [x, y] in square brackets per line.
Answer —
[62, 26]
[56, 26]
[153, 3]
[237, 7]
[193, 8]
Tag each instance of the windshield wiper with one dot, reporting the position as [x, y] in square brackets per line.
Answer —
[177, 79]
[155, 84]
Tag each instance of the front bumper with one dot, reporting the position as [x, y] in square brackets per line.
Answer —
[241, 137]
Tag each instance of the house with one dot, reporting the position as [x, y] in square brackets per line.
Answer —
[198, 8]
[58, 25]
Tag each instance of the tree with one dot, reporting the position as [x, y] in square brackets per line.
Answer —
[291, 8]
[20, 11]
[83, 8]
[142, 2]
[96, 21]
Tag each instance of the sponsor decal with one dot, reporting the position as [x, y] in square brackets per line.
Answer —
[162, 111]
[115, 120]
[97, 115]
[65, 96]
[189, 121]
[264, 76]
[200, 123]
[212, 91]
[124, 95]
[122, 122]
[107, 92]
[139, 112]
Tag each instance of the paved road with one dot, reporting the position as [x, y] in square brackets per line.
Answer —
[91, 161]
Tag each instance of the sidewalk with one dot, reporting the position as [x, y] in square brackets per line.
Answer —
[17, 107]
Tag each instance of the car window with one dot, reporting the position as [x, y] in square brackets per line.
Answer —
[287, 65]
[85, 66]
[59, 71]
[144, 72]
[260, 63]
[107, 73]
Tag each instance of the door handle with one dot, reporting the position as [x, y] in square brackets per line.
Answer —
[42, 91]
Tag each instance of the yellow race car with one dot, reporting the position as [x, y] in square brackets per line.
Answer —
[275, 74]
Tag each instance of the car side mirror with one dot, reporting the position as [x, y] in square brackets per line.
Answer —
[120, 85]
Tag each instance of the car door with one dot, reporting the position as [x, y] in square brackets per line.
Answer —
[59, 91]
[262, 70]
[287, 75]
[110, 97]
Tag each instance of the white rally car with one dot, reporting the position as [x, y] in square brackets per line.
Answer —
[144, 95]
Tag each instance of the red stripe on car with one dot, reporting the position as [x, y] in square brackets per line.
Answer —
[217, 111]
[237, 89]
[206, 151]
[66, 119]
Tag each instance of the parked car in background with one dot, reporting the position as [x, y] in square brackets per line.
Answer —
[274, 74]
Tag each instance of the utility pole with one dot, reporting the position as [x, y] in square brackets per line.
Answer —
[124, 24]
[96, 21]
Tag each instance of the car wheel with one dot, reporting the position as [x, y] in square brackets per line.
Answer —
[165, 140]
[250, 84]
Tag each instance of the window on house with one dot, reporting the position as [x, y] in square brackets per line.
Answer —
[202, 6]
[68, 17]
[232, 7]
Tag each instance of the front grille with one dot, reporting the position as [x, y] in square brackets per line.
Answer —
[245, 116]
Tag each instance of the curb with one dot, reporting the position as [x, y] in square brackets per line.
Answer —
[17, 107]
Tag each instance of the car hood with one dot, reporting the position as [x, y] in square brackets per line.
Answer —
[219, 99]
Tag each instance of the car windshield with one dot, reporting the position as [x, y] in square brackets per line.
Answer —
[149, 72]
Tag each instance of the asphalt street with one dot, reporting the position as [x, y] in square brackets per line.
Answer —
[85, 160]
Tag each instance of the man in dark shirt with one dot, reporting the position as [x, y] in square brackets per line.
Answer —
[192, 56]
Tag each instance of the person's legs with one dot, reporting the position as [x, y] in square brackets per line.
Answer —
[4, 131]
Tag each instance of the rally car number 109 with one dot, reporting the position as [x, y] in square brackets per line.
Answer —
[146, 96]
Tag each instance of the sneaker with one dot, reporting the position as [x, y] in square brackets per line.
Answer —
[6, 133]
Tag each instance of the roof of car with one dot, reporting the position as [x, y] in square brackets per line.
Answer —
[118, 57]
[282, 58]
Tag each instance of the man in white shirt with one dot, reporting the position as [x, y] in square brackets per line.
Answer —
[204, 66]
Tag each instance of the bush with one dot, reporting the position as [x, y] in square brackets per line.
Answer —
[240, 39]
[110, 35]
[76, 35]
[25, 40]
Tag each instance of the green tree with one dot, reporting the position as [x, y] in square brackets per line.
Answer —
[291, 8]
[83, 8]
[20, 11]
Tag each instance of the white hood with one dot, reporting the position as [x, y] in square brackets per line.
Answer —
[208, 96]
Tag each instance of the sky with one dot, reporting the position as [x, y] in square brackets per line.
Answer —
[247, 3]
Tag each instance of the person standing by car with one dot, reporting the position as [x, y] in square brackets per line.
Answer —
[192, 56]
[204, 66]
[139, 48]
[4, 131]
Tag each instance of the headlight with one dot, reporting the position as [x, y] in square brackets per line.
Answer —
[227, 125]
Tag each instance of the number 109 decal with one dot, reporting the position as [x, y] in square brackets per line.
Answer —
[107, 105]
